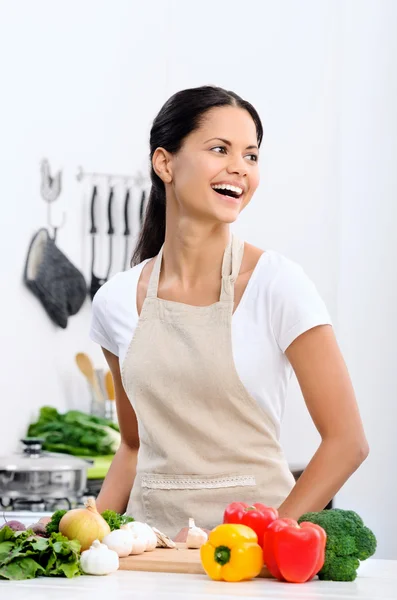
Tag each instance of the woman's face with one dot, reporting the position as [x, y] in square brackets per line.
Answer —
[222, 151]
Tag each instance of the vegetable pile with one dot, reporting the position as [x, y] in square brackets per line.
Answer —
[25, 556]
[113, 519]
[348, 542]
[75, 433]
[291, 552]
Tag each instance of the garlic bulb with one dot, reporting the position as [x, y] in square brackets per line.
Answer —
[99, 560]
[196, 537]
[144, 532]
[138, 545]
[119, 540]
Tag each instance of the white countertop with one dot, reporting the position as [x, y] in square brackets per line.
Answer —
[377, 580]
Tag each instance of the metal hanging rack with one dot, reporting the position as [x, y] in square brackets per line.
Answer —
[139, 179]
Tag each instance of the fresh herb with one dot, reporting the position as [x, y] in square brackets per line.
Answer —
[75, 433]
[114, 520]
[25, 556]
[53, 525]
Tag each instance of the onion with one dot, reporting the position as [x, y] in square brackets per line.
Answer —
[84, 525]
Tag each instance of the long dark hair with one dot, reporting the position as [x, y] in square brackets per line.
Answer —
[180, 115]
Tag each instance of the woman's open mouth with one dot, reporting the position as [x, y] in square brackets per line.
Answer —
[231, 193]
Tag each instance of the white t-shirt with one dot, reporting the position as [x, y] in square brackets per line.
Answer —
[279, 303]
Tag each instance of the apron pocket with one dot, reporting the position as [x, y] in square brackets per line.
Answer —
[169, 500]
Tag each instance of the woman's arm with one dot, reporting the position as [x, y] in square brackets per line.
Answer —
[329, 396]
[117, 485]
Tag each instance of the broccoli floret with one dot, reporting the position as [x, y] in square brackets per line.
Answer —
[114, 520]
[366, 543]
[348, 542]
[53, 525]
[339, 568]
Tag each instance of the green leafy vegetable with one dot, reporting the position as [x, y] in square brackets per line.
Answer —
[75, 433]
[25, 556]
[348, 542]
[53, 525]
[114, 520]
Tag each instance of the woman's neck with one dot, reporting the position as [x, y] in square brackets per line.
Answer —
[193, 251]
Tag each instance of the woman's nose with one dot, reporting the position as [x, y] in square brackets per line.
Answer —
[237, 165]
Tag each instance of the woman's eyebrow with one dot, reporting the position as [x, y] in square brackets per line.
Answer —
[229, 143]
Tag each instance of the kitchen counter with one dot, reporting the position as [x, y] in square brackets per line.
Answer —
[377, 580]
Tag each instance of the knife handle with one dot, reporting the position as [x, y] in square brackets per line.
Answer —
[126, 217]
[93, 200]
[110, 203]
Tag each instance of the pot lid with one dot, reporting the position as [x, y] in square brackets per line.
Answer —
[33, 458]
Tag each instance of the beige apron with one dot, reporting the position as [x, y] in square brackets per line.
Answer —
[204, 441]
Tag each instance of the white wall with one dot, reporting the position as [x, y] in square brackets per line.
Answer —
[367, 282]
[83, 82]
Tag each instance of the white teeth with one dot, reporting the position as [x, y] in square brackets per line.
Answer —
[226, 186]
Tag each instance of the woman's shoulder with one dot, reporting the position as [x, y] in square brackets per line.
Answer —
[278, 279]
[270, 266]
[120, 288]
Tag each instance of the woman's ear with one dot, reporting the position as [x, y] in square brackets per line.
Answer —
[162, 166]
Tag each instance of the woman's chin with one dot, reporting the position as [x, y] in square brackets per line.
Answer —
[228, 215]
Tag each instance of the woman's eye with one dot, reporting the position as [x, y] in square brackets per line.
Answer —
[217, 147]
[253, 157]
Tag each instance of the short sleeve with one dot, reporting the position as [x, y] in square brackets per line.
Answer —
[296, 305]
[100, 330]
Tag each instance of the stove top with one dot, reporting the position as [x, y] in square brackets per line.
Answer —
[29, 512]
[44, 505]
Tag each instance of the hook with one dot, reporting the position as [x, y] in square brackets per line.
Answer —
[50, 186]
[50, 224]
[50, 189]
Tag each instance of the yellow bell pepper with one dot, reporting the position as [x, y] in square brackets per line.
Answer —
[232, 553]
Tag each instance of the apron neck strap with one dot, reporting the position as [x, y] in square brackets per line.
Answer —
[231, 268]
[231, 263]
[155, 276]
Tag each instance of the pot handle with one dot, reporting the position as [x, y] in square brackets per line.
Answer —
[32, 446]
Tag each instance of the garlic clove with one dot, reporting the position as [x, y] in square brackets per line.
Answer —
[120, 541]
[138, 545]
[163, 541]
[196, 537]
[144, 532]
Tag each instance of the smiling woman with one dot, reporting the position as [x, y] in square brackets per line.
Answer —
[202, 335]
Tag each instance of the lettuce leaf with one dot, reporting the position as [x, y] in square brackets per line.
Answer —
[26, 556]
[75, 432]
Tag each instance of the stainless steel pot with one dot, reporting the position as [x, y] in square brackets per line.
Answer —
[36, 475]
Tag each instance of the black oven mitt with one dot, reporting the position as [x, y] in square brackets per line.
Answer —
[49, 274]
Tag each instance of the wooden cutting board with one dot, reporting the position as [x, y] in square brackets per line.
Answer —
[169, 560]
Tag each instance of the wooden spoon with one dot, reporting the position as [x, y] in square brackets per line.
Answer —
[87, 368]
[109, 383]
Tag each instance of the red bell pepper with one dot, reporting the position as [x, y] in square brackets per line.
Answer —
[258, 517]
[292, 552]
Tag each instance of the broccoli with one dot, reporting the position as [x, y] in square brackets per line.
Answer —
[114, 520]
[53, 525]
[348, 542]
